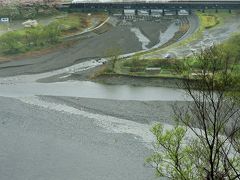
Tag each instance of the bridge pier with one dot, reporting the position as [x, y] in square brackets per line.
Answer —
[123, 13]
[164, 6]
[189, 11]
[176, 12]
[230, 11]
[109, 11]
[136, 12]
[149, 12]
[216, 10]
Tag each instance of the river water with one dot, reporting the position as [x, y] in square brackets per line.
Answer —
[92, 90]
[28, 85]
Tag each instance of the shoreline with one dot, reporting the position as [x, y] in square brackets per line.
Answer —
[81, 50]
[115, 79]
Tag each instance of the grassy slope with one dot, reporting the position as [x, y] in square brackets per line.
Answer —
[76, 22]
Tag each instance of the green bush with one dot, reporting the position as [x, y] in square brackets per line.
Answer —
[11, 43]
[30, 38]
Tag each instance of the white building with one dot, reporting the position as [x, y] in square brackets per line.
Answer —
[4, 20]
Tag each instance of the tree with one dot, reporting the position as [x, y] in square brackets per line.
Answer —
[205, 142]
[113, 54]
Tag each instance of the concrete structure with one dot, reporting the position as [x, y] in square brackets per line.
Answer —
[175, 6]
[4, 20]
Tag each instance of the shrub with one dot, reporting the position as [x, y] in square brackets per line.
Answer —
[30, 38]
[11, 43]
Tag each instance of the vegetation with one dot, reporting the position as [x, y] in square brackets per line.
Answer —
[29, 39]
[26, 9]
[137, 66]
[147, 67]
[33, 38]
[72, 22]
[156, 67]
[206, 21]
[204, 144]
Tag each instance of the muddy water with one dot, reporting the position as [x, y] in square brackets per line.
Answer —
[28, 85]
[92, 90]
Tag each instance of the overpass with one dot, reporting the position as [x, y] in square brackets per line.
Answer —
[148, 5]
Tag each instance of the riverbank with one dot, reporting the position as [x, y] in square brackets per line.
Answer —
[88, 46]
[148, 69]
[84, 49]
[115, 79]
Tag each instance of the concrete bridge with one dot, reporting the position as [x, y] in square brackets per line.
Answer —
[162, 5]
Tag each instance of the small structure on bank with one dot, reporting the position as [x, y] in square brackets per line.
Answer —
[4, 20]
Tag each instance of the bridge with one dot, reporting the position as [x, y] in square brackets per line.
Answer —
[148, 5]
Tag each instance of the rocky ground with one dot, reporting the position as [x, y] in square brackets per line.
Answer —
[38, 143]
[61, 138]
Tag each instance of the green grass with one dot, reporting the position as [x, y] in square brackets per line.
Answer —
[208, 20]
[35, 38]
[24, 40]
[138, 67]
[71, 22]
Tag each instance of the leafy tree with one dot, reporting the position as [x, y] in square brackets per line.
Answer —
[113, 54]
[204, 144]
